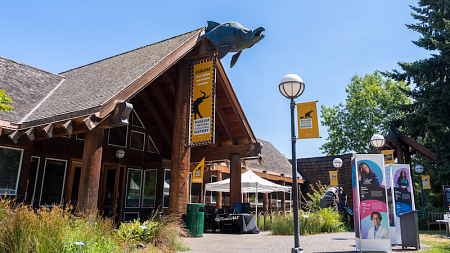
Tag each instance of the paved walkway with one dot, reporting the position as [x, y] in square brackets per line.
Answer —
[264, 242]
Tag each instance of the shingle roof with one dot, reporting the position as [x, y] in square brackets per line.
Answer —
[27, 86]
[274, 161]
[88, 87]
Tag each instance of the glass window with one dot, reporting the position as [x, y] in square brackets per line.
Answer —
[11, 162]
[118, 136]
[151, 146]
[137, 140]
[31, 181]
[166, 188]
[213, 194]
[53, 183]
[149, 188]
[135, 120]
[251, 198]
[130, 216]
[133, 194]
[288, 201]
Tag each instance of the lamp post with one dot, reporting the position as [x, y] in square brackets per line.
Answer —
[337, 163]
[292, 87]
[419, 170]
[377, 141]
[120, 154]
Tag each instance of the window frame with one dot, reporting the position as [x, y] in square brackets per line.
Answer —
[124, 213]
[126, 189]
[143, 188]
[81, 139]
[256, 199]
[213, 191]
[36, 178]
[18, 171]
[148, 146]
[135, 113]
[43, 180]
[143, 141]
[163, 187]
[126, 138]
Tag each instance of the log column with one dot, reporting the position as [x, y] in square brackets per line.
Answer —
[265, 202]
[235, 179]
[399, 152]
[90, 172]
[179, 175]
[219, 194]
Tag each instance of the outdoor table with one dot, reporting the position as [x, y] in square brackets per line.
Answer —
[446, 222]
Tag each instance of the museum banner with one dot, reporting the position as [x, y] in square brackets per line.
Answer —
[388, 156]
[333, 178]
[374, 226]
[308, 122]
[403, 194]
[198, 172]
[202, 98]
[426, 182]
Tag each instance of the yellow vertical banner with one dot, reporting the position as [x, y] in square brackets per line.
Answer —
[198, 172]
[333, 178]
[426, 184]
[203, 102]
[308, 122]
[388, 156]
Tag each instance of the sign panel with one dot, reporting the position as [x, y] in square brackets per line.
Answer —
[308, 122]
[373, 208]
[391, 206]
[403, 194]
[426, 184]
[446, 191]
[333, 178]
[388, 156]
[356, 203]
[197, 175]
[203, 95]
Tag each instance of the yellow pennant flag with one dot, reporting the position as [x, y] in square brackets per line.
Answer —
[426, 182]
[308, 122]
[333, 178]
[198, 172]
[388, 156]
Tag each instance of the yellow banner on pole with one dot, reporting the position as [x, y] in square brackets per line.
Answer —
[426, 184]
[203, 102]
[333, 178]
[388, 156]
[308, 122]
[198, 172]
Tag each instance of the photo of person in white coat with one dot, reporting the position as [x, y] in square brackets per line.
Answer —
[378, 231]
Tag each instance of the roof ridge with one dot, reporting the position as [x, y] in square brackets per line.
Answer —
[132, 50]
[42, 70]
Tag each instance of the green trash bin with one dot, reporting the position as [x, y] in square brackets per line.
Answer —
[195, 218]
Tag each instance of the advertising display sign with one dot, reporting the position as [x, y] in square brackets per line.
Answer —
[391, 206]
[203, 96]
[308, 122]
[198, 172]
[446, 190]
[333, 178]
[356, 203]
[373, 208]
[388, 156]
[426, 182]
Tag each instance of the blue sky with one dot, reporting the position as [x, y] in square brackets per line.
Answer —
[324, 42]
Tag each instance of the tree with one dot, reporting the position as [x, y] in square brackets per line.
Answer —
[5, 102]
[427, 119]
[370, 106]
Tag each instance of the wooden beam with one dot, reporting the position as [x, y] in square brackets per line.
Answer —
[68, 127]
[225, 123]
[155, 115]
[15, 136]
[415, 145]
[223, 153]
[30, 133]
[235, 179]
[48, 130]
[169, 82]
[163, 102]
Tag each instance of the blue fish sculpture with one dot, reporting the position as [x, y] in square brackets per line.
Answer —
[232, 37]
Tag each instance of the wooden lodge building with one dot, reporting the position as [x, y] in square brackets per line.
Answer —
[58, 145]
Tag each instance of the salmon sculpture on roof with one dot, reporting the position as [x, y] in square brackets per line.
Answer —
[232, 37]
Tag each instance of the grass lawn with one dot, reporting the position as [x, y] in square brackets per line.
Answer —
[437, 243]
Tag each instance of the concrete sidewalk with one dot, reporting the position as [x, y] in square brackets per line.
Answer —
[264, 242]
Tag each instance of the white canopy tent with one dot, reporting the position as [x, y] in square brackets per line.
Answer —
[250, 183]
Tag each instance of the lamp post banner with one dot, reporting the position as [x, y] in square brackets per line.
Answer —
[373, 208]
[388, 156]
[308, 122]
[426, 184]
[203, 98]
[333, 178]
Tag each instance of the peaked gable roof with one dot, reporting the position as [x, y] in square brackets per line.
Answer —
[27, 86]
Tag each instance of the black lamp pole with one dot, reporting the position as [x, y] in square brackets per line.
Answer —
[294, 182]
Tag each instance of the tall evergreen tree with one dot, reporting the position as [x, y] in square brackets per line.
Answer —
[427, 119]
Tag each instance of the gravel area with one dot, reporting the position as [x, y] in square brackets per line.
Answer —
[264, 242]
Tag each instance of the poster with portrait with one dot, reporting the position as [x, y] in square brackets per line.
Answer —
[356, 203]
[373, 205]
[391, 206]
